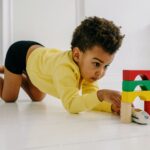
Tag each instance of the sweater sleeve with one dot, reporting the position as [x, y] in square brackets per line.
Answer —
[93, 87]
[67, 86]
[88, 87]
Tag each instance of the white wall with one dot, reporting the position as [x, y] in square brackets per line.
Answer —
[50, 22]
[134, 17]
[6, 26]
[0, 31]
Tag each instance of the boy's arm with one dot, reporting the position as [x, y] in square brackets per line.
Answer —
[93, 87]
[103, 106]
[66, 84]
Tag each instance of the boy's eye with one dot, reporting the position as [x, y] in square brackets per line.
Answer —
[96, 64]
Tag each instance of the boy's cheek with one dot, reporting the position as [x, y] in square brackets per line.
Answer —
[102, 75]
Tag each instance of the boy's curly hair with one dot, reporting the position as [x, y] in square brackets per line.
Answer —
[95, 31]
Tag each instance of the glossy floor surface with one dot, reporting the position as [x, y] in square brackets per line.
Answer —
[27, 125]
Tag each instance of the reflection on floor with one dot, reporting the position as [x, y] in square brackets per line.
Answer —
[27, 125]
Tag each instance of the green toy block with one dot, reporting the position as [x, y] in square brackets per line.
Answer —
[131, 85]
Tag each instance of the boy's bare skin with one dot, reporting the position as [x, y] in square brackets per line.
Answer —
[12, 82]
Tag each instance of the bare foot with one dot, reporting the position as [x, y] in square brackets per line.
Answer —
[1, 69]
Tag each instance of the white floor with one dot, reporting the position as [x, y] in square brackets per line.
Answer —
[25, 125]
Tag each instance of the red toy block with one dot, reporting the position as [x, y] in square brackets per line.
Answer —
[147, 106]
[130, 75]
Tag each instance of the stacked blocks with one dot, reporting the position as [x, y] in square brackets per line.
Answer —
[128, 94]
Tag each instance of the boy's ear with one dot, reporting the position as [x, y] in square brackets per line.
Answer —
[76, 53]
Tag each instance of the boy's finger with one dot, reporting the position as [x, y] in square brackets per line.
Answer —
[117, 103]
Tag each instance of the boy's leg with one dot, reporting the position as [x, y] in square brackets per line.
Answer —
[9, 86]
[1, 85]
[34, 93]
[1, 69]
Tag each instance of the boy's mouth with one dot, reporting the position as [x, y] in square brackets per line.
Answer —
[94, 79]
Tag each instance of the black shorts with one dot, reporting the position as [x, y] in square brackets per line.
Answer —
[15, 60]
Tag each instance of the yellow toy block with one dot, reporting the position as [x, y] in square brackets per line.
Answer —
[126, 103]
[129, 97]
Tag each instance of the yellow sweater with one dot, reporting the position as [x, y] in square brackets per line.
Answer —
[54, 72]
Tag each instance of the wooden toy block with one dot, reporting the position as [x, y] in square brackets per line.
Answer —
[128, 97]
[132, 74]
[126, 112]
[147, 106]
[131, 85]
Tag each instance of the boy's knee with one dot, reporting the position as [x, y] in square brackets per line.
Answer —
[38, 98]
[9, 100]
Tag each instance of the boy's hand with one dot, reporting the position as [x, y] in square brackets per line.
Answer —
[110, 96]
[115, 109]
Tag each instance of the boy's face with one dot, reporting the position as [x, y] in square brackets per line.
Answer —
[93, 63]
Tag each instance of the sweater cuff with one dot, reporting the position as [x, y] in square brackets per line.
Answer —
[92, 101]
[103, 106]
